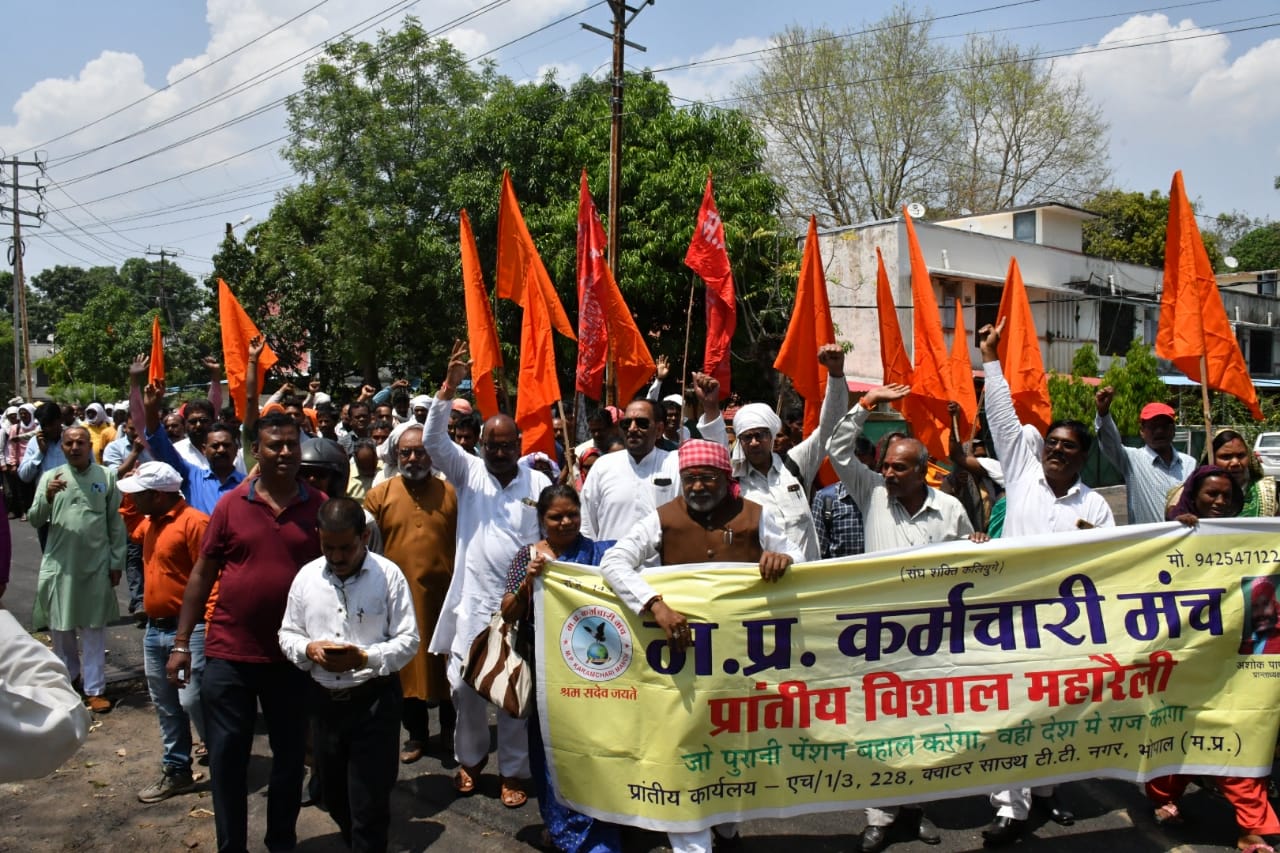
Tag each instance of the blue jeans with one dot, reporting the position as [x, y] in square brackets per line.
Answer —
[176, 708]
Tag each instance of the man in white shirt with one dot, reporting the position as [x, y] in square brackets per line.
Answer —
[350, 622]
[624, 487]
[899, 510]
[1043, 494]
[1149, 471]
[706, 522]
[781, 482]
[497, 516]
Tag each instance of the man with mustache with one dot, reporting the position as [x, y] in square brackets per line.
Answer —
[1044, 495]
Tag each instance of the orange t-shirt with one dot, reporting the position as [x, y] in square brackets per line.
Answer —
[170, 548]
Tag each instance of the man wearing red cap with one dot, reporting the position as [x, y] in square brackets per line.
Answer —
[709, 522]
[1149, 471]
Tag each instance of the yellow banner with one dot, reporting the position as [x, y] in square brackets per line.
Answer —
[942, 671]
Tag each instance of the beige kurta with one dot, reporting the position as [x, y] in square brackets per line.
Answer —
[419, 524]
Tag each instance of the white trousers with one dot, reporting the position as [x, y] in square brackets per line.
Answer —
[700, 841]
[471, 734]
[94, 671]
[1016, 802]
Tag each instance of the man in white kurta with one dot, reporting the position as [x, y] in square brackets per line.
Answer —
[497, 515]
[1044, 494]
[624, 487]
[779, 482]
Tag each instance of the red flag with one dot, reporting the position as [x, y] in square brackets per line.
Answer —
[519, 267]
[708, 258]
[926, 407]
[237, 331]
[604, 320]
[1019, 351]
[482, 334]
[810, 328]
[156, 371]
[962, 373]
[1193, 322]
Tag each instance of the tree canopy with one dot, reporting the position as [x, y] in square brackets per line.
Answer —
[859, 125]
[360, 265]
[1131, 228]
[1259, 249]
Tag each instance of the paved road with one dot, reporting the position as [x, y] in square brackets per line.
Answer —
[1111, 815]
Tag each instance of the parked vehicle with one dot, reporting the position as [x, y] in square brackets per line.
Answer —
[1267, 448]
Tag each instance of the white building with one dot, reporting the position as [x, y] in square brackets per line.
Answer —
[1075, 299]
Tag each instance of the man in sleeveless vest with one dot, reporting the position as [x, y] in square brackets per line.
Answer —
[708, 522]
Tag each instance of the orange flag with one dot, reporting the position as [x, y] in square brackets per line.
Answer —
[538, 387]
[604, 320]
[893, 352]
[156, 371]
[708, 257]
[1019, 351]
[237, 330]
[962, 373]
[520, 268]
[810, 328]
[1193, 322]
[482, 334]
[926, 407]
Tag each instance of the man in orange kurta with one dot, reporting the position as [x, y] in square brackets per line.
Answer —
[417, 513]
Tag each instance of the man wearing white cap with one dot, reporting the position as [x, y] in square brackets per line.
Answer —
[170, 535]
[781, 482]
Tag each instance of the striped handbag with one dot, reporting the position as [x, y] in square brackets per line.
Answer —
[496, 670]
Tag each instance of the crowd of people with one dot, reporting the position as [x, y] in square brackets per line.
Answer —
[334, 563]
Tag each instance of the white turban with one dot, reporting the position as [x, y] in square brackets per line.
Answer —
[749, 417]
[95, 414]
[389, 450]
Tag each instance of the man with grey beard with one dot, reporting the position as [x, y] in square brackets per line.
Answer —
[417, 513]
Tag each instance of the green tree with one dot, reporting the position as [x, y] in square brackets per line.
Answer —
[1131, 229]
[1259, 249]
[96, 345]
[1137, 382]
[361, 259]
[1070, 396]
[859, 125]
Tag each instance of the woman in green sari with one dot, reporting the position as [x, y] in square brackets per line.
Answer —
[1231, 452]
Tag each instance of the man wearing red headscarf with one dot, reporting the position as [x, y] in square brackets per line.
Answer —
[709, 522]
[1263, 608]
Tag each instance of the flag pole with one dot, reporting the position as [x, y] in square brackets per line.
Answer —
[504, 401]
[688, 330]
[570, 462]
[973, 429]
[1204, 402]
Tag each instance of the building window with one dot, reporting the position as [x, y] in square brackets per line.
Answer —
[1024, 226]
[1115, 327]
[1267, 283]
[986, 304]
[947, 310]
[1260, 355]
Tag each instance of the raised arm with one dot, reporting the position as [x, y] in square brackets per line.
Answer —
[808, 454]
[711, 422]
[1109, 440]
[1002, 419]
[445, 455]
[858, 479]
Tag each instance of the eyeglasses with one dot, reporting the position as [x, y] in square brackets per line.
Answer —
[638, 423]
[1064, 443]
[755, 437]
[700, 479]
[501, 446]
[409, 452]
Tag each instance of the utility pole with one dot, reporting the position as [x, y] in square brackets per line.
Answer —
[618, 37]
[21, 338]
[164, 299]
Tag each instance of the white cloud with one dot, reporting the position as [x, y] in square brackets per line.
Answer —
[51, 107]
[1188, 102]
[710, 80]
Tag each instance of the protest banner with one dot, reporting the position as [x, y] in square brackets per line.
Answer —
[941, 671]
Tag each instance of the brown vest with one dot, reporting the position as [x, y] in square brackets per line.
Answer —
[731, 534]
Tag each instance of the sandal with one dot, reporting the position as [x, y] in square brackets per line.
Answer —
[464, 781]
[513, 792]
[1254, 844]
[200, 751]
[1169, 815]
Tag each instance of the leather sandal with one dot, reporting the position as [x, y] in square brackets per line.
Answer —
[1254, 844]
[1169, 815]
[412, 751]
[464, 781]
[513, 792]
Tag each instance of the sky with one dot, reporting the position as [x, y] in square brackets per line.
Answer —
[159, 122]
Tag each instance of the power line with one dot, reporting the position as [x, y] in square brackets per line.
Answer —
[169, 86]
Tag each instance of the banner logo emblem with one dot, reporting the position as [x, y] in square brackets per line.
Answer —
[596, 643]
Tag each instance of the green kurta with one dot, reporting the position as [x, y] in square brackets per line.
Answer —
[86, 541]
